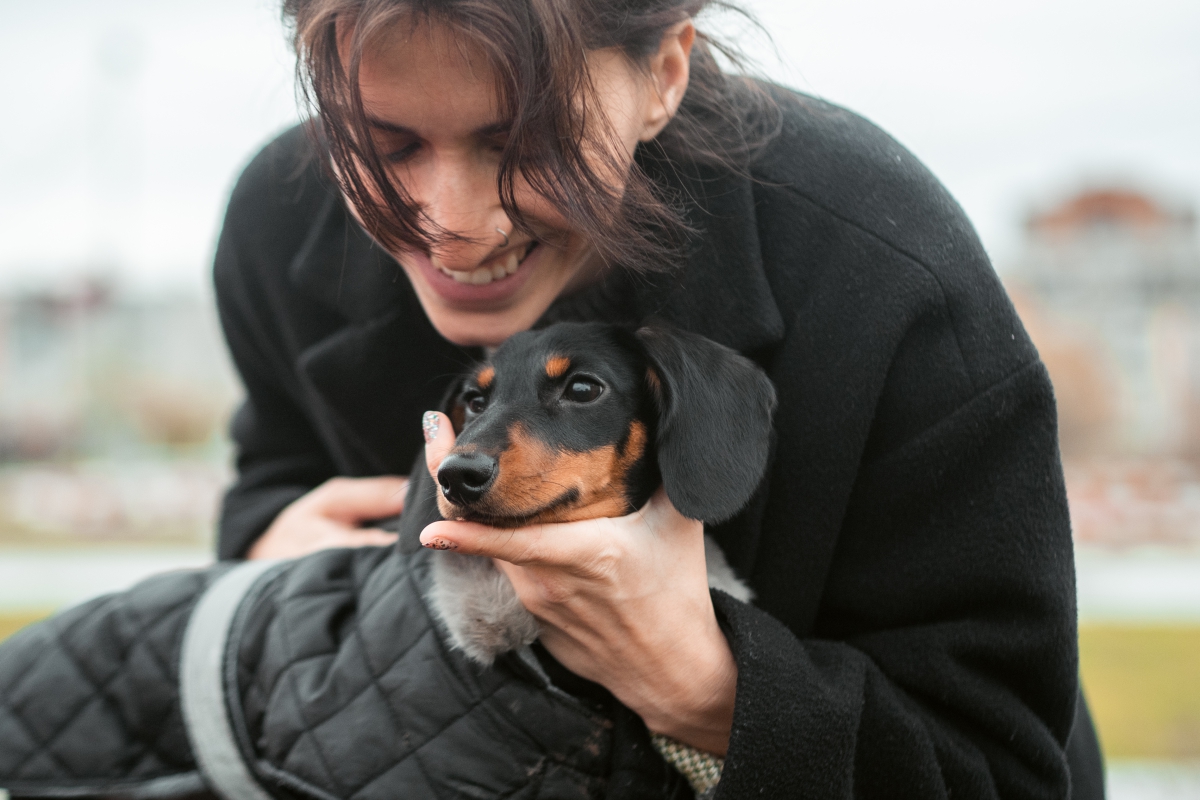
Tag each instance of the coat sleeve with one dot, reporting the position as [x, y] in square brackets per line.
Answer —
[943, 660]
[280, 455]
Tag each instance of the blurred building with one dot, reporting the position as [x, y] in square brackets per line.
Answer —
[112, 413]
[86, 372]
[1108, 286]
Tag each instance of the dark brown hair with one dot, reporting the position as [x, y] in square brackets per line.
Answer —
[537, 49]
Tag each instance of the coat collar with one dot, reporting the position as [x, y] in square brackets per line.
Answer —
[342, 268]
[721, 292]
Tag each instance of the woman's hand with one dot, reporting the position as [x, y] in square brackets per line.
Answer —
[331, 515]
[621, 601]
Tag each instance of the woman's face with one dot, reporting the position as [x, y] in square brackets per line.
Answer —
[432, 106]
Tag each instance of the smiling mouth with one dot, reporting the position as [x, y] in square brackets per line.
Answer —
[496, 270]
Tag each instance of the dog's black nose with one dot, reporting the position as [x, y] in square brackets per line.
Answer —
[466, 476]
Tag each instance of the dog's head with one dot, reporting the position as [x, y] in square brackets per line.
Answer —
[584, 420]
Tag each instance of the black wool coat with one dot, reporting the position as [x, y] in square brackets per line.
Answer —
[914, 631]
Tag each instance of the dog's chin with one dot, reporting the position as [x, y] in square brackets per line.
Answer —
[458, 514]
[493, 521]
[484, 514]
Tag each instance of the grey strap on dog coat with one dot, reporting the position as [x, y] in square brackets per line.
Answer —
[202, 684]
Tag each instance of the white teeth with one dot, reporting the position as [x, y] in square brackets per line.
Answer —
[481, 276]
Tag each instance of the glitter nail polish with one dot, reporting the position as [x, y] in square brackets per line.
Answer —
[429, 425]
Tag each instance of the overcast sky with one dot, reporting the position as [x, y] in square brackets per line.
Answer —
[125, 122]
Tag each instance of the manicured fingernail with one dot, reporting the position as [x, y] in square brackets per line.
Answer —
[441, 544]
[429, 424]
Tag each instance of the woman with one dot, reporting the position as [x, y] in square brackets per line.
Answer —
[489, 166]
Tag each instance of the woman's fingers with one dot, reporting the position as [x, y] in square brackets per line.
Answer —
[568, 544]
[330, 516]
[622, 601]
[367, 537]
[518, 546]
[301, 535]
[439, 440]
[353, 500]
[580, 547]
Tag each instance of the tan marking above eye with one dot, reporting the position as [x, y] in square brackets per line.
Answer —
[485, 377]
[557, 366]
[533, 478]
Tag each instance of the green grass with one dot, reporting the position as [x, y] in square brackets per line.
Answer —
[1143, 683]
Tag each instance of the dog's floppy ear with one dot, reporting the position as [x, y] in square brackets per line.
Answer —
[714, 425]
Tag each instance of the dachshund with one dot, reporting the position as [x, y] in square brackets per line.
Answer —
[578, 421]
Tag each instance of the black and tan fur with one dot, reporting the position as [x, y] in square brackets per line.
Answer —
[579, 421]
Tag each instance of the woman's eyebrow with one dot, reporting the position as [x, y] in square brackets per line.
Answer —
[390, 127]
[491, 129]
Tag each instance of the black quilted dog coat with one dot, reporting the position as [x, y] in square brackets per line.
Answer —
[337, 683]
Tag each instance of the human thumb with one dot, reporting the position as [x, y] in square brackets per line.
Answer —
[439, 439]
[354, 500]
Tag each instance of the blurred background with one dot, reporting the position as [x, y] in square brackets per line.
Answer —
[1070, 132]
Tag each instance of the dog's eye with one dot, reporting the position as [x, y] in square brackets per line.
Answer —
[475, 402]
[582, 390]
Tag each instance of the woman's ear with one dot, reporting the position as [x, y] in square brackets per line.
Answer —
[669, 70]
[714, 424]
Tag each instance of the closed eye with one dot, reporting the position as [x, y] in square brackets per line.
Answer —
[402, 154]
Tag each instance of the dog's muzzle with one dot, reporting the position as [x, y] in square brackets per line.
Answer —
[464, 478]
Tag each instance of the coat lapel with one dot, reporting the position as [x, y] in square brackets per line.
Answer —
[339, 266]
[722, 290]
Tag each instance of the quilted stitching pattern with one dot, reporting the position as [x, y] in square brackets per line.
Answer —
[90, 696]
[347, 692]
[356, 696]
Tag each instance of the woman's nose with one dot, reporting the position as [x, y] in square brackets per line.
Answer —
[463, 203]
